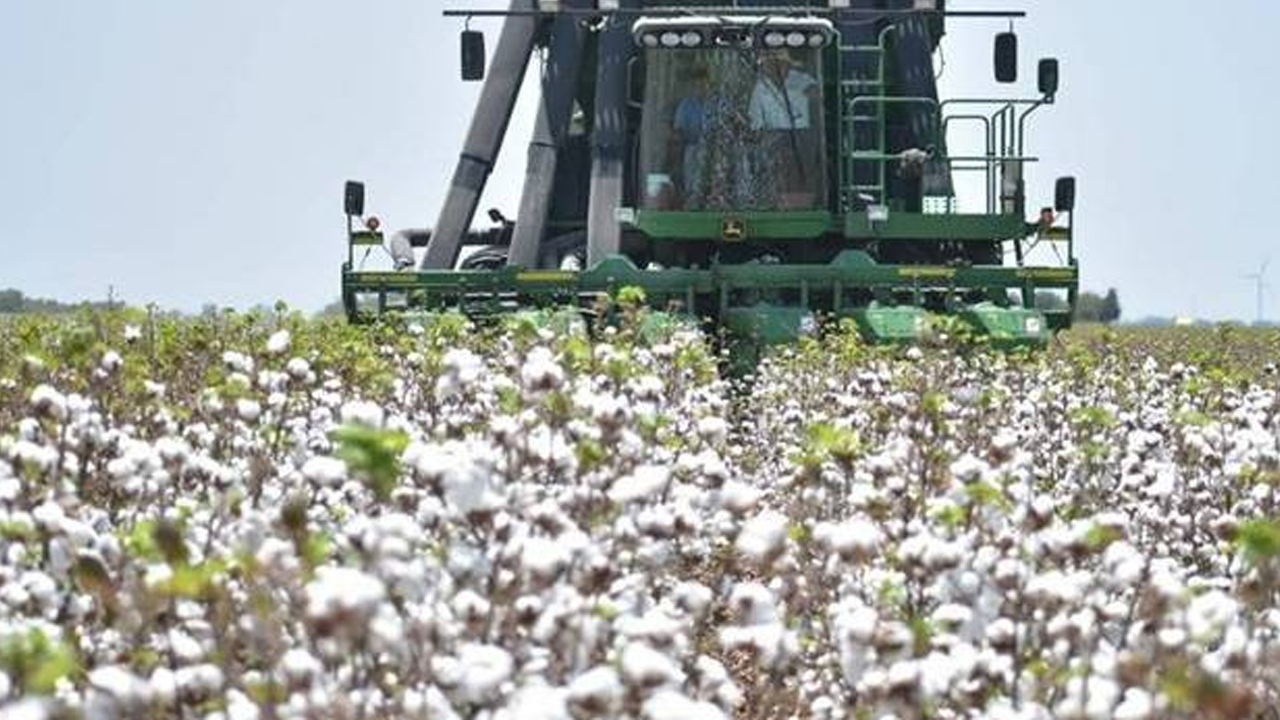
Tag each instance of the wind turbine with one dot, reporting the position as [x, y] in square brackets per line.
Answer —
[1259, 279]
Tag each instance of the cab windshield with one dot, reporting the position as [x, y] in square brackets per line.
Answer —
[733, 130]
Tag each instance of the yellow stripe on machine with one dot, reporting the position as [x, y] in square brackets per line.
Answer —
[546, 276]
[1048, 274]
[927, 273]
[387, 278]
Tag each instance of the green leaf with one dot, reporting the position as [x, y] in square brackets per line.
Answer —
[921, 635]
[985, 494]
[1100, 537]
[316, 550]
[194, 582]
[591, 454]
[373, 454]
[631, 297]
[799, 533]
[37, 662]
[140, 542]
[1093, 419]
[823, 441]
[1259, 540]
[605, 611]
[951, 516]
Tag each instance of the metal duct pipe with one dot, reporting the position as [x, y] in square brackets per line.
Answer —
[559, 88]
[484, 139]
[609, 139]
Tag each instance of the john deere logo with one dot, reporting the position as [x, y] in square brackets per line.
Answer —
[733, 229]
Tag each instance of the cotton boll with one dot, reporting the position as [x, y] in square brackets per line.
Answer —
[596, 693]
[300, 667]
[325, 471]
[763, 537]
[853, 540]
[199, 681]
[692, 597]
[129, 690]
[544, 558]
[342, 598]
[298, 369]
[739, 498]
[672, 705]
[1137, 705]
[279, 342]
[248, 410]
[1103, 695]
[462, 369]
[769, 644]
[28, 709]
[49, 402]
[1209, 614]
[238, 362]
[483, 668]
[111, 362]
[642, 484]
[362, 413]
[713, 429]
[644, 667]
[540, 372]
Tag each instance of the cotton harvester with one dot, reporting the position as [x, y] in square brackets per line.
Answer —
[759, 168]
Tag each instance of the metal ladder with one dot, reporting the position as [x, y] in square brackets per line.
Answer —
[863, 168]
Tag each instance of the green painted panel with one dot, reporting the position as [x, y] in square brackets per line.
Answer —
[914, 226]
[769, 324]
[1009, 327]
[796, 225]
[880, 324]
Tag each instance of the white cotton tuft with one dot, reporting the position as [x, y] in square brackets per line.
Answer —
[672, 705]
[279, 342]
[484, 669]
[49, 401]
[643, 483]
[360, 412]
[763, 537]
[325, 471]
[642, 666]
[339, 592]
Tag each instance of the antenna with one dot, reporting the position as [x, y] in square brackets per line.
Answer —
[1261, 286]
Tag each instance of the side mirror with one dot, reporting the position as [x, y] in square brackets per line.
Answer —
[354, 198]
[1065, 195]
[1049, 77]
[473, 55]
[1007, 57]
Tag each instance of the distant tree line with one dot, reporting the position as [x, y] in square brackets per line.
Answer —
[14, 302]
[1090, 307]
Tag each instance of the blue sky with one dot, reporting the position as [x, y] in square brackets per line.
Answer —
[193, 151]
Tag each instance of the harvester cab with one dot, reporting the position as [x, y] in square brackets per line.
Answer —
[756, 168]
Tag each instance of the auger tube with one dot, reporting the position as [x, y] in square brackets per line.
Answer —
[484, 139]
[608, 143]
[559, 88]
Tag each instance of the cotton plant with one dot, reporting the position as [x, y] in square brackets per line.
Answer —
[261, 516]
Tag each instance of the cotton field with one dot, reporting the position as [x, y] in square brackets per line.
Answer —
[251, 517]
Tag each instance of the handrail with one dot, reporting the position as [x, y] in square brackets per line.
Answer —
[988, 168]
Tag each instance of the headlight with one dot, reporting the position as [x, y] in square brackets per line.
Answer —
[1033, 326]
[775, 39]
[692, 39]
[817, 40]
[650, 40]
[796, 39]
[670, 39]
